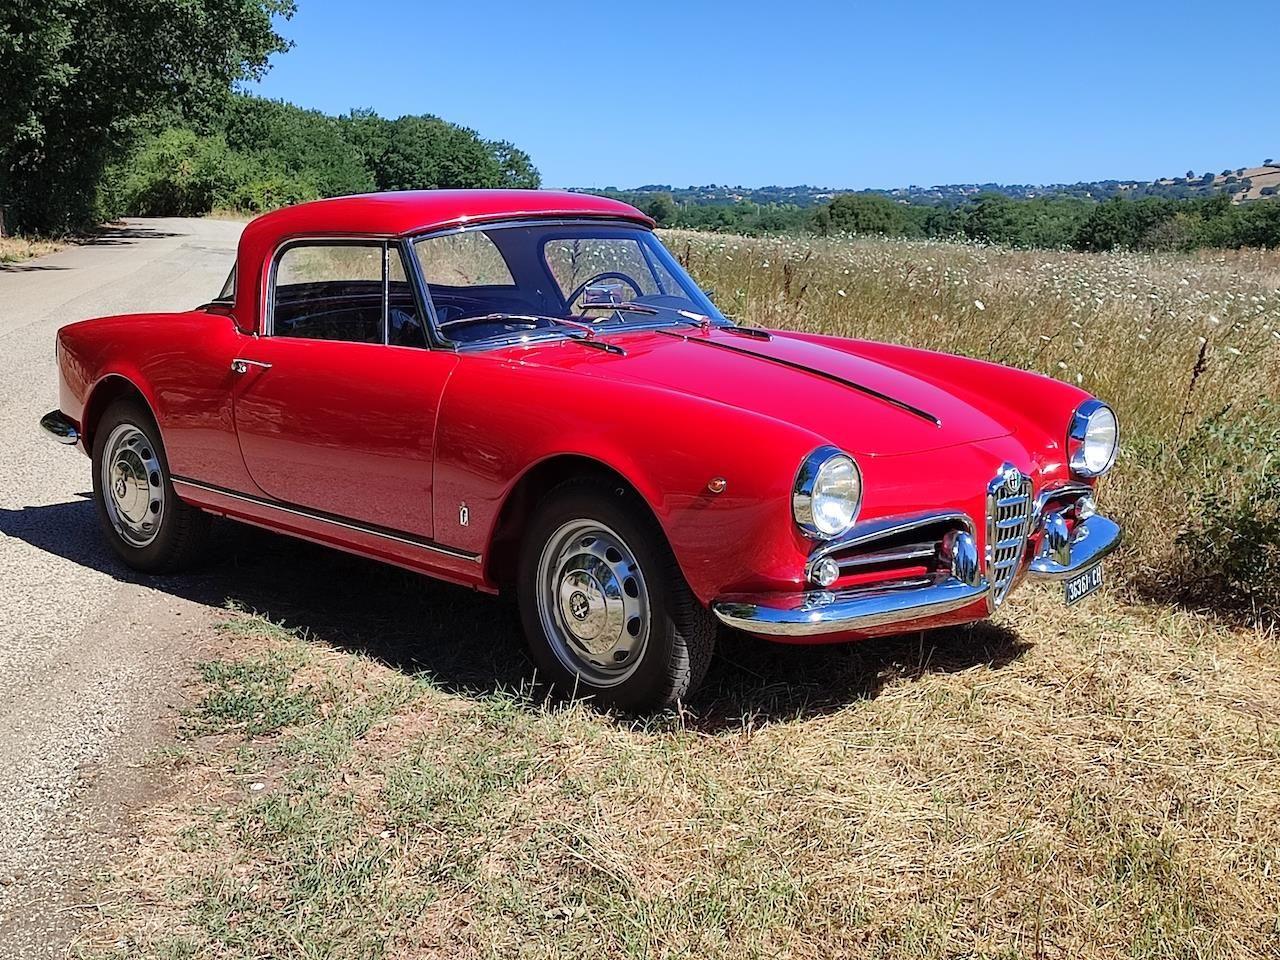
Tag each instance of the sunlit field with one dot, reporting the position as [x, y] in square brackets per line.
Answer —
[1096, 782]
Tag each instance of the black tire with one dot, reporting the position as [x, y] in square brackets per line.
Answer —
[179, 533]
[680, 635]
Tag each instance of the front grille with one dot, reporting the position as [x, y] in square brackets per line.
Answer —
[1009, 508]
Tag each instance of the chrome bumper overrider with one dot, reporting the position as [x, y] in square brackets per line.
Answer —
[826, 611]
[1094, 539]
[59, 426]
[817, 612]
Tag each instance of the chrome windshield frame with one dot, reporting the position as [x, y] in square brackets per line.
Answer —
[440, 340]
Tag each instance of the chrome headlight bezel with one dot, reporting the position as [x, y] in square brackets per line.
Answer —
[814, 475]
[1089, 418]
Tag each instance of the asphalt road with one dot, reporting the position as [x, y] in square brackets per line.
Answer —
[90, 657]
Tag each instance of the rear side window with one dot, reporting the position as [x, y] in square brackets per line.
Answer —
[330, 291]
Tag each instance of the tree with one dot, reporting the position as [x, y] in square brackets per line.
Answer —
[995, 218]
[425, 152]
[305, 145]
[82, 79]
[865, 213]
[515, 167]
[663, 209]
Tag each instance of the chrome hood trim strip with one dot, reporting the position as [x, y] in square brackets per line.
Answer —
[805, 368]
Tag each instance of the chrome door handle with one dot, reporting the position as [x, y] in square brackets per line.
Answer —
[242, 366]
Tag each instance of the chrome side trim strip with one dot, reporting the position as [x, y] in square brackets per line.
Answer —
[60, 427]
[804, 368]
[343, 522]
[821, 612]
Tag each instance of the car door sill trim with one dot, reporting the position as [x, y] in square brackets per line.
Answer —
[346, 523]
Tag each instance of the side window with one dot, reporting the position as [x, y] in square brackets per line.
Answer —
[404, 321]
[330, 291]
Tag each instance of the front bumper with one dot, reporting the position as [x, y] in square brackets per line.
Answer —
[816, 613]
[60, 427]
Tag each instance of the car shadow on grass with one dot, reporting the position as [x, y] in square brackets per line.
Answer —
[470, 643]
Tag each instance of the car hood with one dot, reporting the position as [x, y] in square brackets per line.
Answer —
[859, 404]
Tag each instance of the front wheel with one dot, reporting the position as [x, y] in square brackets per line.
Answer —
[143, 519]
[606, 610]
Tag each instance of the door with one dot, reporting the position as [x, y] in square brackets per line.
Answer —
[335, 404]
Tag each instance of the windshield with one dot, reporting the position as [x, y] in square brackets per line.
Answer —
[511, 282]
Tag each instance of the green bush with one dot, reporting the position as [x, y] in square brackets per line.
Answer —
[178, 173]
[1232, 540]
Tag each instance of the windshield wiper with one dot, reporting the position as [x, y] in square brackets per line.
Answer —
[631, 306]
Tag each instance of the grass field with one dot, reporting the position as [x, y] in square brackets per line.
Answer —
[1099, 783]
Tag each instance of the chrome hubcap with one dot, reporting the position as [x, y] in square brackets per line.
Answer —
[132, 485]
[593, 602]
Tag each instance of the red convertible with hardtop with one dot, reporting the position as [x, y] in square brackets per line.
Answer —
[524, 391]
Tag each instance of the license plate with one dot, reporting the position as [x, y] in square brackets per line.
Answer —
[1082, 584]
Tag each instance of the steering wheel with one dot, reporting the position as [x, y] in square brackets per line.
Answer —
[606, 275]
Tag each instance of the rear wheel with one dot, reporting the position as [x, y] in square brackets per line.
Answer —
[141, 515]
[604, 605]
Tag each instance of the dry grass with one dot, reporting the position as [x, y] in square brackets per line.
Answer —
[1093, 784]
[17, 249]
[1103, 787]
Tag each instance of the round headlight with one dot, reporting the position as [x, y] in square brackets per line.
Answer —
[1093, 439]
[827, 493]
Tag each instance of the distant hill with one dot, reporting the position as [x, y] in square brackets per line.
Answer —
[1243, 184]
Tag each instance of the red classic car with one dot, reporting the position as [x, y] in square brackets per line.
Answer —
[523, 390]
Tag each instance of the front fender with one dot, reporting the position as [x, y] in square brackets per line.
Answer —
[500, 420]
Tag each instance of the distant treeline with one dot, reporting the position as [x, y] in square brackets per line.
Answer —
[261, 154]
[1145, 223]
[1192, 185]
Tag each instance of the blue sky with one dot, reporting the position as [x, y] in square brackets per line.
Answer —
[832, 94]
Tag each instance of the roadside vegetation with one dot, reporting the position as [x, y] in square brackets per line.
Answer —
[1093, 783]
[17, 249]
[129, 107]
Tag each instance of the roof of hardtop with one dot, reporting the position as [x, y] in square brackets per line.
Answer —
[414, 211]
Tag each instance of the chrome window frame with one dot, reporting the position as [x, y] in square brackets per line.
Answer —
[437, 337]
